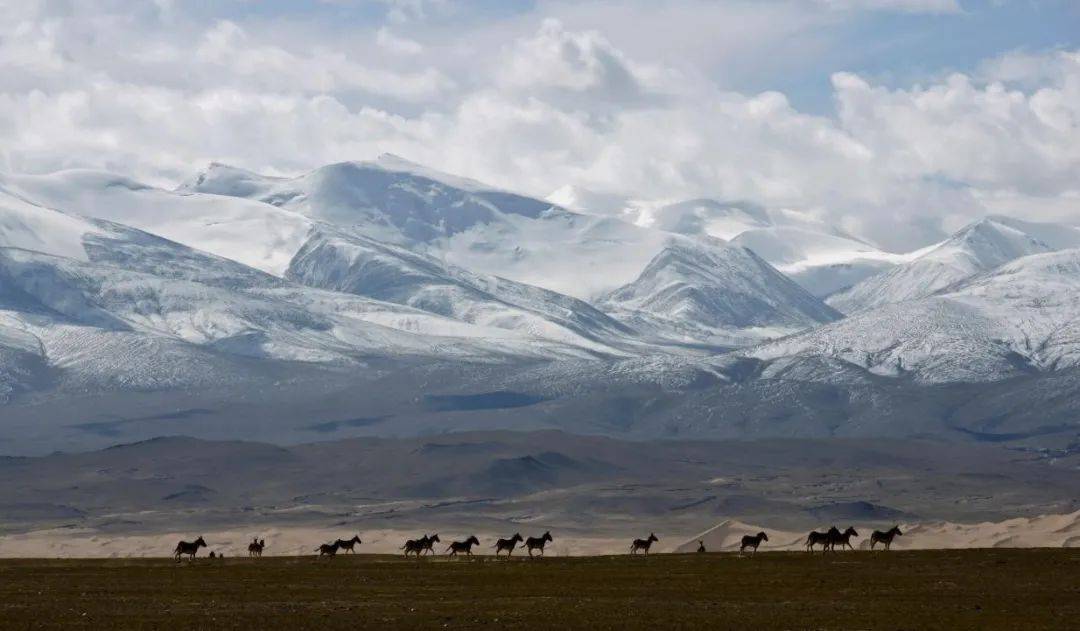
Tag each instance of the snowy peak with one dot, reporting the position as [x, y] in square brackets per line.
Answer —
[822, 262]
[719, 288]
[354, 264]
[1016, 319]
[976, 248]
[984, 245]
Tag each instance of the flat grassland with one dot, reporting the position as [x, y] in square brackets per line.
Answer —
[984, 589]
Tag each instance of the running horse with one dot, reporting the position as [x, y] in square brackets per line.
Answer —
[190, 548]
[820, 538]
[844, 539]
[255, 548]
[508, 544]
[429, 543]
[538, 543]
[349, 544]
[327, 549]
[885, 538]
[463, 546]
[416, 546]
[753, 541]
[643, 544]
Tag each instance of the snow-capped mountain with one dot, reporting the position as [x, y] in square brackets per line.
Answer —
[355, 264]
[459, 221]
[976, 248]
[258, 235]
[820, 257]
[717, 292]
[821, 262]
[405, 292]
[1015, 320]
[98, 302]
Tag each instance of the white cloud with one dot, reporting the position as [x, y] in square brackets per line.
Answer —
[398, 45]
[905, 6]
[551, 106]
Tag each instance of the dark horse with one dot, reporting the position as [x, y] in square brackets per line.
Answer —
[327, 549]
[753, 541]
[885, 537]
[256, 547]
[643, 544]
[507, 544]
[534, 543]
[700, 546]
[421, 545]
[844, 539]
[821, 538]
[189, 548]
[463, 546]
[429, 543]
[349, 544]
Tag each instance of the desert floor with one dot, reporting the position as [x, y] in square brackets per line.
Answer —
[944, 589]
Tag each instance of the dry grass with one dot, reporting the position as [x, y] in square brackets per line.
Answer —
[985, 589]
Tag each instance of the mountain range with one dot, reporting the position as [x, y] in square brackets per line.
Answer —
[386, 298]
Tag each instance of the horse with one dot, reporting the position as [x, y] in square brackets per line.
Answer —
[844, 539]
[700, 546]
[429, 543]
[349, 544]
[885, 537]
[327, 549]
[820, 538]
[753, 541]
[463, 546]
[643, 544]
[256, 546]
[533, 543]
[189, 548]
[416, 546]
[507, 544]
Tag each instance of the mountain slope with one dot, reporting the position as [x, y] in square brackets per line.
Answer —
[139, 311]
[257, 235]
[1017, 319]
[978, 247]
[716, 291]
[459, 221]
[354, 264]
[821, 262]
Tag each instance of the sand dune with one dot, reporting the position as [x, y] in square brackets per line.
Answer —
[1053, 531]
[290, 541]
[1043, 531]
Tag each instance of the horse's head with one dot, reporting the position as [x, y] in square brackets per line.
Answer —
[434, 538]
[517, 537]
[356, 539]
[763, 536]
[547, 536]
[262, 542]
[652, 537]
[200, 542]
[896, 530]
[473, 540]
[850, 532]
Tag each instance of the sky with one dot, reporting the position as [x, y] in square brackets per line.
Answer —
[897, 120]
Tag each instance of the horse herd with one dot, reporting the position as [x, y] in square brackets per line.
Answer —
[425, 545]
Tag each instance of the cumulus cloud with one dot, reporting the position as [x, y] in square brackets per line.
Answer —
[553, 106]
